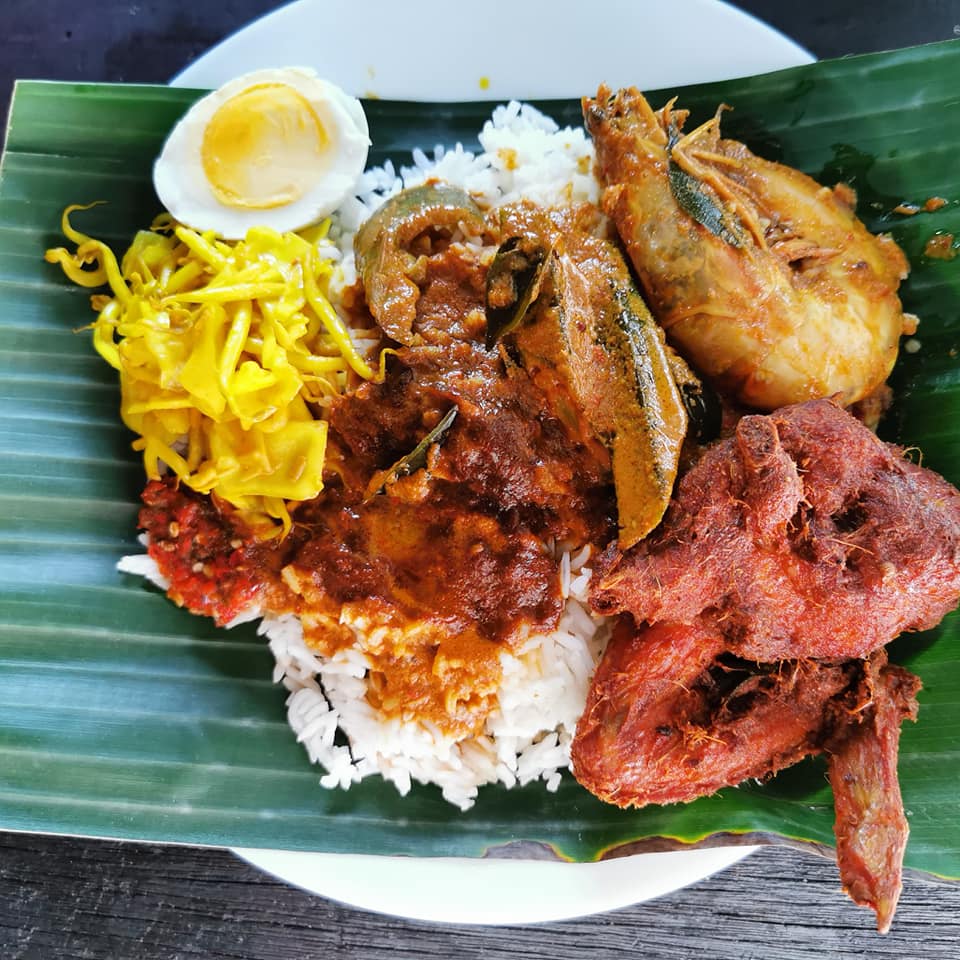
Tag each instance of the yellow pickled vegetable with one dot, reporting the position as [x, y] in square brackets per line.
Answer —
[227, 352]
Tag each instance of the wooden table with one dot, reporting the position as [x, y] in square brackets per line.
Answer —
[74, 898]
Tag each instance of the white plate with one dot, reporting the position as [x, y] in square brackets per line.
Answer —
[424, 49]
[455, 890]
[525, 49]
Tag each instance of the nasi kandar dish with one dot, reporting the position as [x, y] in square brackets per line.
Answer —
[556, 455]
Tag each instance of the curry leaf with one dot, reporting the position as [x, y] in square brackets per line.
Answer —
[700, 201]
[416, 459]
[513, 284]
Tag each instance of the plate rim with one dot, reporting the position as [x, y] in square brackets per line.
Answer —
[490, 891]
[210, 68]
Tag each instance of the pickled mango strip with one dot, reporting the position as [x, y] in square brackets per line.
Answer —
[200, 247]
[228, 355]
[335, 327]
[73, 268]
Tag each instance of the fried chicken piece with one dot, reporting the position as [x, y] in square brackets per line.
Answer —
[804, 536]
[793, 553]
[870, 826]
[669, 718]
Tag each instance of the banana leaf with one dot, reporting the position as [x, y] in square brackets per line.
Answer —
[123, 716]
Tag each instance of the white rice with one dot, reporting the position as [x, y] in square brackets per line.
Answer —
[525, 155]
[527, 735]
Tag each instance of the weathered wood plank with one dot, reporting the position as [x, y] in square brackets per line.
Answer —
[67, 898]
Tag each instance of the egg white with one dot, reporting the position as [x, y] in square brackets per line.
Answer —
[184, 190]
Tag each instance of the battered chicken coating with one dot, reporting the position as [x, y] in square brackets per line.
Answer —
[670, 718]
[870, 826]
[758, 614]
[801, 536]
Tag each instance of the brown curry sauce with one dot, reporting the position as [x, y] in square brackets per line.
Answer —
[445, 568]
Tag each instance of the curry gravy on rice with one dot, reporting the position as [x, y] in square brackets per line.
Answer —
[446, 566]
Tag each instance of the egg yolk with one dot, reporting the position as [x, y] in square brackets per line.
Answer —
[264, 148]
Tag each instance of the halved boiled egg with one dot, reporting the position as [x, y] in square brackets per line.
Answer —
[273, 148]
